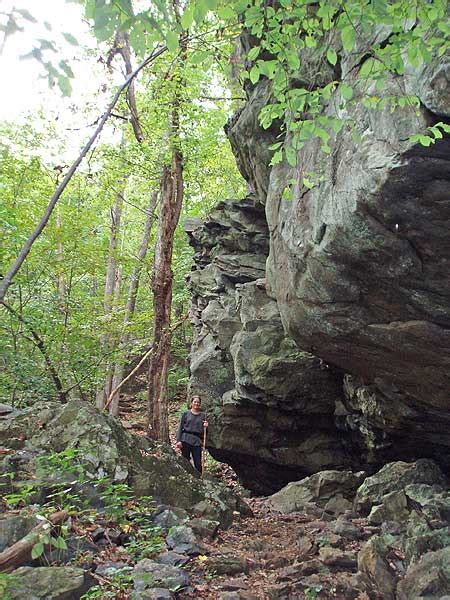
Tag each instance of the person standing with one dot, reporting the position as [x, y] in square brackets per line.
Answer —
[190, 433]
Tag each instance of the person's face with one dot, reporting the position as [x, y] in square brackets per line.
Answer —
[196, 403]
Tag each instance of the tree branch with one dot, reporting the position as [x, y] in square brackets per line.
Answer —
[39, 343]
[7, 280]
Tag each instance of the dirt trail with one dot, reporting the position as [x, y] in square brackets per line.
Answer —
[271, 556]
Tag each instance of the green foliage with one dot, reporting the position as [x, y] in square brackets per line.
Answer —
[6, 581]
[24, 495]
[311, 593]
[114, 586]
[289, 32]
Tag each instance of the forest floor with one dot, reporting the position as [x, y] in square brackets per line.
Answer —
[269, 556]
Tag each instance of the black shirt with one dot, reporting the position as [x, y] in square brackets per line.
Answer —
[191, 428]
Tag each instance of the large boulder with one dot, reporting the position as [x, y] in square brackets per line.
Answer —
[319, 489]
[271, 406]
[359, 266]
[48, 583]
[100, 447]
[356, 275]
[394, 477]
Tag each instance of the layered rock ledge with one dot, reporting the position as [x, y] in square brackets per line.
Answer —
[335, 353]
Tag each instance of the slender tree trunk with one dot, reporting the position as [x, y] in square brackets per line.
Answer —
[171, 202]
[110, 292]
[61, 283]
[131, 301]
[172, 189]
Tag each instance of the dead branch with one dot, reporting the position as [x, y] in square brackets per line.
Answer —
[7, 280]
[143, 359]
[20, 552]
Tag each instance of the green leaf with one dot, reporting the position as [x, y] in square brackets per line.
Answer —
[287, 194]
[226, 13]
[59, 543]
[348, 38]
[346, 91]
[254, 74]
[253, 53]
[26, 14]
[172, 41]
[200, 10]
[369, 68]
[70, 38]
[66, 68]
[425, 140]
[187, 18]
[37, 550]
[64, 85]
[276, 158]
[291, 156]
[331, 56]
[198, 57]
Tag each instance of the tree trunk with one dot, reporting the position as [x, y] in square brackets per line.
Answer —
[131, 301]
[20, 552]
[171, 202]
[110, 292]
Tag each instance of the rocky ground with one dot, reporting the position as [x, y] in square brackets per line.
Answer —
[270, 556]
[336, 534]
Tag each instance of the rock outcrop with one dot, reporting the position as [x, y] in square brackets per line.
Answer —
[336, 352]
[96, 446]
[270, 405]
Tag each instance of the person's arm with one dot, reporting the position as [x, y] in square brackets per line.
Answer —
[180, 428]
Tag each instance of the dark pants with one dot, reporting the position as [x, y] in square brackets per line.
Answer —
[196, 451]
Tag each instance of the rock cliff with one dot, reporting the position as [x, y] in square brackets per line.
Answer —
[336, 351]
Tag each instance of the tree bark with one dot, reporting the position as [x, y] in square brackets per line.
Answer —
[111, 291]
[172, 190]
[131, 303]
[20, 552]
[171, 202]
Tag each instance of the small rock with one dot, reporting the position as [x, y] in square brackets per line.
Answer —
[154, 594]
[110, 567]
[148, 574]
[227, 565]
[430, 575]
[334, 557]
[14, 528]
[305, 546]
[394, 507]
[276, 563]
[169, 517]
[309, 567]
[338, 505]
[42, 583]
[329, 538]
[204, 528]
[237, 583]
[172, 558]
[181, 539]
[229, 596]
[346, 529]
[278, 592]
[373, 564]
